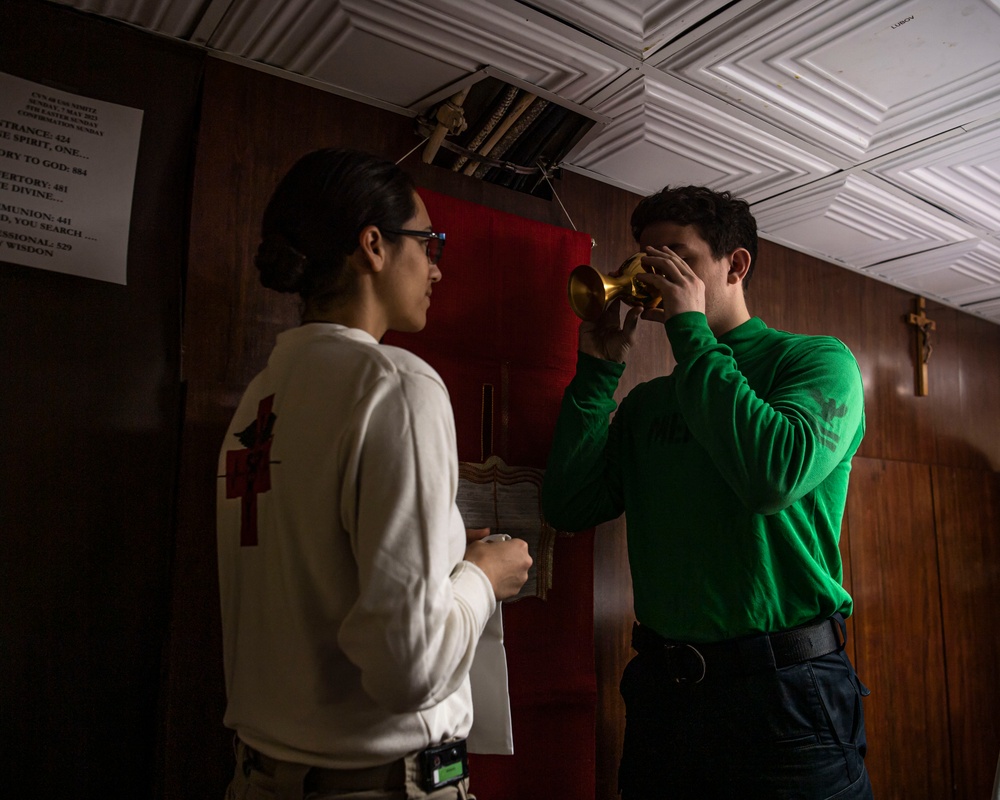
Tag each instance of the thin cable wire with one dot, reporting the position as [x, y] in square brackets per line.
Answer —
[545, 174]
[412, 151]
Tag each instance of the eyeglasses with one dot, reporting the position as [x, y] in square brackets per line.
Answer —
[435, 241]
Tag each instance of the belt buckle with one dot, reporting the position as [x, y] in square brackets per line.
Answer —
[670, 649]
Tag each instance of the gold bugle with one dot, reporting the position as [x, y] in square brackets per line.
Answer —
[591, 292]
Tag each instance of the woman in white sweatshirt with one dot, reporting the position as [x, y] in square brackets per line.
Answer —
[352, 598]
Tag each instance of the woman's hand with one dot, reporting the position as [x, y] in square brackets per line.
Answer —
[505, 563]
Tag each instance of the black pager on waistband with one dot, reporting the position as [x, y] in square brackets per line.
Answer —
[444, 765]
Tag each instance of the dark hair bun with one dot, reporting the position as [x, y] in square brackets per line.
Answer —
[281, 266]
[313, 221]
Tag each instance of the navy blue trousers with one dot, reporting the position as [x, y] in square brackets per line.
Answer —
[795, 732]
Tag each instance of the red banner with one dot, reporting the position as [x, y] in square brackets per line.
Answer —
[501, 334]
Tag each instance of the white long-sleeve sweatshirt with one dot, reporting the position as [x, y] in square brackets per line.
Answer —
[350, 620]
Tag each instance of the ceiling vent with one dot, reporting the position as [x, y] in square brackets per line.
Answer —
[499, 129]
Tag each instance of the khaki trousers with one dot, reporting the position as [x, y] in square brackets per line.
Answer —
[259, 777]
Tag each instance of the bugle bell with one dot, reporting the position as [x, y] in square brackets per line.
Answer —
[591, 292]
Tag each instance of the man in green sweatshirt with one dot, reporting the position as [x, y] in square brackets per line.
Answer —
[732, 473]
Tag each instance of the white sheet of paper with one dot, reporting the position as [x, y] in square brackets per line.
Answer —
[67, 170]
[492, 732]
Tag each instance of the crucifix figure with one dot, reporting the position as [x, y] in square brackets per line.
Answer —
[924, 327]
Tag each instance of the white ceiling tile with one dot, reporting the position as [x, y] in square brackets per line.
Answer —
[990, 309]
[766, 98]
[661, 134]
[961, 174]
[170, 17]
[637, 27]
[860, 78]
[399, 51]
[961, 274]
[856, 221]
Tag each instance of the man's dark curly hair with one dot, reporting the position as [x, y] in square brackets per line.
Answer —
[724, 221]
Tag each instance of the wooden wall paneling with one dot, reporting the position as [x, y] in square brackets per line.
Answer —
[91, 406]
[613, 618]
[898, 629]
[964, 378]
[602, 211]
[967, 518]
[898, 425]
[979, 381]
[794, 292]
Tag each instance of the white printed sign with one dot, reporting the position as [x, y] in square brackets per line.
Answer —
[67, 168]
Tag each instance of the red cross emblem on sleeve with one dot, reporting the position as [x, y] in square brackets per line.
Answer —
[248, 471]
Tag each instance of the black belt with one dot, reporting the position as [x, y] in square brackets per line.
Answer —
[687, 662]
[312, 779]
[438, 766]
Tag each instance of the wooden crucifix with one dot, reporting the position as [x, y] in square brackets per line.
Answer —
[923, 326]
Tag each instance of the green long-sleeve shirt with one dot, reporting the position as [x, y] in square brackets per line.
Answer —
[732, 472]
